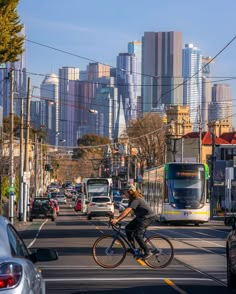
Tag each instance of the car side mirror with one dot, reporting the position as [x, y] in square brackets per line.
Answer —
[45, 254]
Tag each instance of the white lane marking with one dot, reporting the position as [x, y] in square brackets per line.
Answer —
[32, 243]
[204, 234]
[124, 279]
[192, 239]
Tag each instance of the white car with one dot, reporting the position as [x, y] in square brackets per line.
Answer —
[100, 206]
[61, 199]
[18, 274]
[123, 204]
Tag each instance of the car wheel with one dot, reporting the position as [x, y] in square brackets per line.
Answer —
[231, 278]
[53, 219]
[89, 217]
[30, 219]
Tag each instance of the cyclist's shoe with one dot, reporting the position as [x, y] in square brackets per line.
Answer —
[145, 256]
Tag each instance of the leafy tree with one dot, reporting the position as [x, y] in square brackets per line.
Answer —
[90, 140]
[148, 135]
[11, 42]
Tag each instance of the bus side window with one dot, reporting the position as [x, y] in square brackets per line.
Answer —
[208, 191]
[166, 198]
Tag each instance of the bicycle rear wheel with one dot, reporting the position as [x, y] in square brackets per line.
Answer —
[162, 249]
[109, 252]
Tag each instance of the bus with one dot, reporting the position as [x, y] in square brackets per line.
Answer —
[95, 187]
[178, 192]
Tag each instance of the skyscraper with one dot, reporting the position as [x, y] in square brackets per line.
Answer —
[50, 107]
[66, 102]
[192, 88]
[221, 106]
[161, 70]
[135, 47]
[126, 76]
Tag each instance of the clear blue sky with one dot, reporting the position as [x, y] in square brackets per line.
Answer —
[101, 29]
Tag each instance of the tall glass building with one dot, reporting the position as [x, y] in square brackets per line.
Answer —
[221, 106]
[50, 107]
[67, 106]
[192, 89]
[126, 75]
[161, 70]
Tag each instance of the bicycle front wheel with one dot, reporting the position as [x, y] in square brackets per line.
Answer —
[162, 251]
[109, 252]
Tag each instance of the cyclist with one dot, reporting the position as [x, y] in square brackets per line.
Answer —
[144, 216]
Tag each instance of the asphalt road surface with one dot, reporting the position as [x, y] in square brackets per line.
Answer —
[199, 265]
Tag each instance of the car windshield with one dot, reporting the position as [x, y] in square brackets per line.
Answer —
[101, 199]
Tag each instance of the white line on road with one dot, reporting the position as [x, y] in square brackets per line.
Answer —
[123, 279]
[32, 243]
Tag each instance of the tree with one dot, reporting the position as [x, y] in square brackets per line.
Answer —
[148, 135]
[11, 42]
[90, 140]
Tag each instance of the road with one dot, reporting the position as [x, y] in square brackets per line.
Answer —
[199, 265]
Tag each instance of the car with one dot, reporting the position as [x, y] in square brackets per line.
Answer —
[42, 207]
[18, 273]
[77, 206]
[61, 199]
[123, 204]
[100, 206]
[231, 254]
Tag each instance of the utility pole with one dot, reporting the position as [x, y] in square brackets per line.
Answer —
[11, 164]
[26, 162]
[200, 136]
[36, 165]
[21, 198]
[213, 158]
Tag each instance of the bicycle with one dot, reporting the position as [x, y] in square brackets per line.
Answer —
[109, 251]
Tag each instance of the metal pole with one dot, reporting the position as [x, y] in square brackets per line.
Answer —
[212, 175]
[11, 165]
[26, 162]
[36, 166]
[200, 136]
[182, 149]
[21, 205]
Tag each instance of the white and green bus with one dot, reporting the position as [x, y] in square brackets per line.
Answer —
[95, 187]
[178, 192]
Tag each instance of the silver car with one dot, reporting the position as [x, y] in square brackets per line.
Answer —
[18, 274]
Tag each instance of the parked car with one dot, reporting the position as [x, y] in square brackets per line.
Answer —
[231, 254]
[123, 204]
[18, 274]
[100, 206]
[77, 206]
[42, 207]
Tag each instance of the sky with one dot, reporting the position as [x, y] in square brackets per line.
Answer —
[101, 29]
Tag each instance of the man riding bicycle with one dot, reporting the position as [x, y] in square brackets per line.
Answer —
[144, 216]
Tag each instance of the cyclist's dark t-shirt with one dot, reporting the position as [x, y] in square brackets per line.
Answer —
[141, 208]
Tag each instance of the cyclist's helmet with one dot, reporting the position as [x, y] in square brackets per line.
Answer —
[130, 187]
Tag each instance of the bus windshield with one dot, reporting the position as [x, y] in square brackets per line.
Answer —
[186, 193]
[98, 188]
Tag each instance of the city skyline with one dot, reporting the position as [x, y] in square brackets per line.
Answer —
[79, 29]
